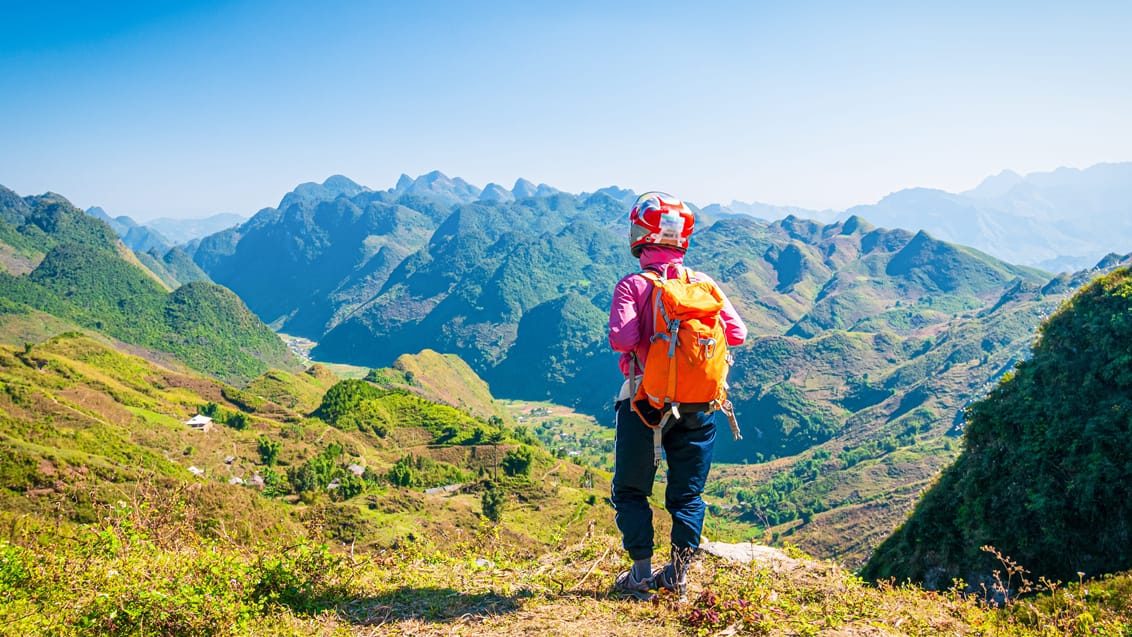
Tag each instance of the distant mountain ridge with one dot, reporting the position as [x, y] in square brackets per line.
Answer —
[136, 237]
[169, 262]
[768, 212]
[438, 187]
[1063, 220]
[164, 233]
[183, 231]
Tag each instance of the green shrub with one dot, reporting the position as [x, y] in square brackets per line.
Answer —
[274, 483]
[268, 450]
[402, 473]
[493, 502]
[15, 569]
[517, 462]
[420, 472]
[315, 474]
[349, 486]
[237, 421]
[298, 578]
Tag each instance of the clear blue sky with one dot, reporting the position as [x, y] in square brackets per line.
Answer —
[190, 108]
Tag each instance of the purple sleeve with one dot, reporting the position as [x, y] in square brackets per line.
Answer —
[624, 326]
[734, 328]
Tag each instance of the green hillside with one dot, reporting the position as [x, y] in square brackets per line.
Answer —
[1044, 472]
[122, 520]
[300, 392]
[83, 276]
[146, 573]
[174, 267]
[441, 378]
[74, 408]
[48, 220]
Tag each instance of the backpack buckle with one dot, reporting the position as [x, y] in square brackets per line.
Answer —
[709, 347]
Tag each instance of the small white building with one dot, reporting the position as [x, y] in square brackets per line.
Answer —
[356, 469]
[200, 423]
[196, 471]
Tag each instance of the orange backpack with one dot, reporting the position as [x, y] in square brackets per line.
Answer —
[687, 364]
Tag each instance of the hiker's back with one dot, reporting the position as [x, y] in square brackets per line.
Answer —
[687, 361]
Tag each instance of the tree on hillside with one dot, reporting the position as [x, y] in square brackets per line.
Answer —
[315, 474]
[517, 462]
[349, 485]
[493, 501]
[237, 420]
[268, 450]
[403, 473]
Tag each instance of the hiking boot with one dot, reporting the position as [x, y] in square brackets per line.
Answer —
[626, 584]
[667, 578]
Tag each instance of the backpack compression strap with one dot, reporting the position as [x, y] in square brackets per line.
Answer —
[672, 414]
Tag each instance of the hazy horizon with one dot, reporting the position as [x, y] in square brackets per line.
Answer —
[248, 214]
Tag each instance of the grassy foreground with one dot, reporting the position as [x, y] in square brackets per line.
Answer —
[144, 569]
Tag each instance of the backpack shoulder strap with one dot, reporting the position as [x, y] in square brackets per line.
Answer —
[657, 279]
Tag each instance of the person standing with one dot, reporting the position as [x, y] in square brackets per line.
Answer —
[660, 227]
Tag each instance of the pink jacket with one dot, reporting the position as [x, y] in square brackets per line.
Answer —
[631, 319]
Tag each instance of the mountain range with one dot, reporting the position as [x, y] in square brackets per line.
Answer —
[183, 231]
[866, 343]
[1061, 221]
[138, 238]
[431, 263]
[159, 254]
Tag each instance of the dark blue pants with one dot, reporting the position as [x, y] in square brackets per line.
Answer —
[688, 448]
